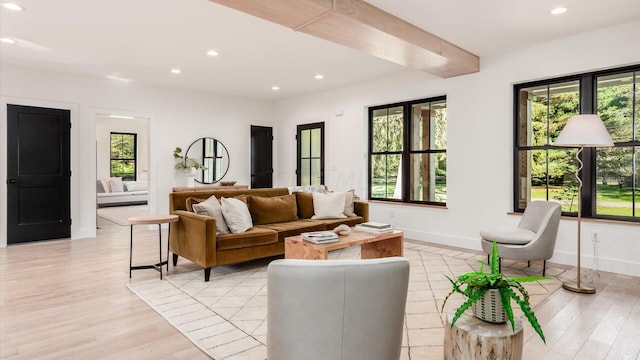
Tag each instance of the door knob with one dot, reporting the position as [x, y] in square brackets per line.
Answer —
[11, 181]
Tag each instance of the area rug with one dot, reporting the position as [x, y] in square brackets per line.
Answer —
[120, 214]
[226, 317]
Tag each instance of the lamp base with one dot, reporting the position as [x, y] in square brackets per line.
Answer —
[573, 286]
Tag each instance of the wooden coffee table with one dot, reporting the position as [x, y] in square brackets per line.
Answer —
[372, 245]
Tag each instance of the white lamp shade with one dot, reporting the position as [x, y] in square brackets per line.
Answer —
[584, 130]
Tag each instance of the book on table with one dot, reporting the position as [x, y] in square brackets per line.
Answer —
[373, 230]
[320, 237]
[376, 225]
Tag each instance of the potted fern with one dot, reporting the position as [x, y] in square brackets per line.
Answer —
[479, 287]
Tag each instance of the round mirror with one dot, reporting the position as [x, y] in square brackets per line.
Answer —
[213, 155]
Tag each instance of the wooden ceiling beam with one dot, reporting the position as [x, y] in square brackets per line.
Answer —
[364, 27]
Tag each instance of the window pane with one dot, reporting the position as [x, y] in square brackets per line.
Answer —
[614, 186]
[315, 143]
[385, 176]
[615, 105]
[428, 177]
[533, 116]
[305, 172]
[387, 129]
[564, 102]
[420, 126]
[315, 172]
[548, 175]
[305, 143]
[563, 185]
[116, 146]
[637, 117]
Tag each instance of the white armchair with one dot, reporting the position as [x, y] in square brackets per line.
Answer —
[533, 239]
[336, 309]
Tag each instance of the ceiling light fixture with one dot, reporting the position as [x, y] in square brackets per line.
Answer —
[559, 10]
[12, 6]
[118, 78]
[212, 53]
[176, 71]
[122, 117]
[319, 77]
[275, 88]
[7, 40]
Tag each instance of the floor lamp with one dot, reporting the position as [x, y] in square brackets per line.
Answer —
[582, 131]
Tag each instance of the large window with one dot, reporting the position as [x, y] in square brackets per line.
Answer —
[610, 175]
[407, 151]
[123, 155]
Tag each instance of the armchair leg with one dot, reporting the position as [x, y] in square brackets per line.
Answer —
[499, 265]
[207, 274]
[528, 263]
[488, 259]
[544, 267]
[175, 259]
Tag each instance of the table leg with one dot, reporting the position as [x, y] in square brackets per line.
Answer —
[384, 248]
[130, 249]
[168, 239]
[160, 249]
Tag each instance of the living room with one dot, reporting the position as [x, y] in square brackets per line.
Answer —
[479, 132]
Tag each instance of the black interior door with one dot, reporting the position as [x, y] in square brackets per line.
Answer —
[38, 174]
[261, 157]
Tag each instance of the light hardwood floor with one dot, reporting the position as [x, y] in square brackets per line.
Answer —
[69, 300]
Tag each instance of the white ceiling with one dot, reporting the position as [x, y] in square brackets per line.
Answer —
[143, 39]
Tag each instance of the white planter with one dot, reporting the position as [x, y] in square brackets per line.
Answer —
[489, 308]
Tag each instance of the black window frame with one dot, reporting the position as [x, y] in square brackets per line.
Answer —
[299, 130]
[405, 153]
[587, 105]
[135, 154]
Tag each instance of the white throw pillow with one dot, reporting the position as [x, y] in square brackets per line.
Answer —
[329, 206]
[211, 207]
[136, 186]
[105, 185]
[116, 184]
[236, 214]
[348, 203]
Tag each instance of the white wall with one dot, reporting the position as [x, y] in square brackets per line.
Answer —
[105, 125]
[479, 149]
[176, 118]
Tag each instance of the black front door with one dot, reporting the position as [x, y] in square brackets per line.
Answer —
[261, 157]
[38, 174]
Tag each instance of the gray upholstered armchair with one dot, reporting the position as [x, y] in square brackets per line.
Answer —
[336, 309]
[533, 239]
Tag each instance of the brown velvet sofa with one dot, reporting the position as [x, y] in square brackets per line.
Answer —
[194, 236]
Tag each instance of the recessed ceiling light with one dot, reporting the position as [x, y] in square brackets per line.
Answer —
[118, 78]
[121, 117]
[212, 53]
[319, 76]
[12, 6]
[7, 40]
[176, 71]
[559, 10]
[275, 88]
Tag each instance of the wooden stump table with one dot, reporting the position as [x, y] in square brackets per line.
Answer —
[471, 338]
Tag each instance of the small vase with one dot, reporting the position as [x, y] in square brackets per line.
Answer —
[489, 308]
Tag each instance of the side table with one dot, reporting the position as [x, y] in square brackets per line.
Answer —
[151, 220]
[471, 338]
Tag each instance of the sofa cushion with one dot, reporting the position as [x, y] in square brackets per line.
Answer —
[328, 206]
[272, 209]
[305, 204]
[135, 185]
[192, 201]
[253, 237]
[116, 184]
[211, 207]
[331, 224]
[348, 203]
[100, 187]
[292, 228]
[236, 214]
